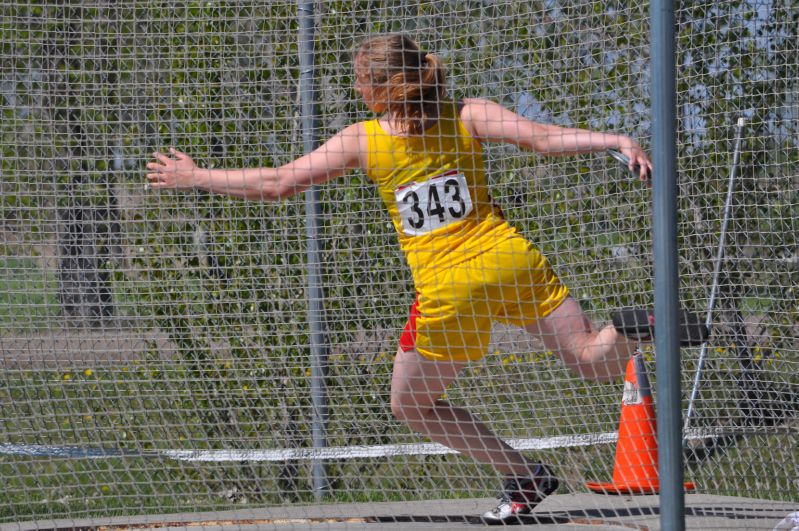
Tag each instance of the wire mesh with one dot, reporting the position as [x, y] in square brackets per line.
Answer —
[155, 344]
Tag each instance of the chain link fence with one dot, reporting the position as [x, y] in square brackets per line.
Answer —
[155, 345]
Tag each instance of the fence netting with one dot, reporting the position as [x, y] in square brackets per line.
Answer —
[156, 346]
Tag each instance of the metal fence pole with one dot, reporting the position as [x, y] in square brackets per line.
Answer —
[319, 350]
[667, 349]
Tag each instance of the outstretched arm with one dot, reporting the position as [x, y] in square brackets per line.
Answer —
[491, 122]
[333, 158]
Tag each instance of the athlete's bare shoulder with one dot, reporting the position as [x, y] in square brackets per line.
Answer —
[350, 137]
[477, 102]
[355, 139]
[479, 108]
[475, 112]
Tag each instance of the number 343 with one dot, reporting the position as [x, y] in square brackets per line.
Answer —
[434, 203]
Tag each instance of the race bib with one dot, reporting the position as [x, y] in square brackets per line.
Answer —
[434, 203]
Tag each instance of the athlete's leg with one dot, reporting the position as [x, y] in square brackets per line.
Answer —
[416, 388]
[594, 354]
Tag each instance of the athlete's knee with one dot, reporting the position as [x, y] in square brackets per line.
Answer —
[408, 407]
[397, 406]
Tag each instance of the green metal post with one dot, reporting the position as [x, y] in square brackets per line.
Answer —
[667, 348]
[319, 350]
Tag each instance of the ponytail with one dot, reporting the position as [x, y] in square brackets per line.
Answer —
[411, 82]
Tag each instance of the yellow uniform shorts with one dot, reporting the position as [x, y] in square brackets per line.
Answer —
[510, 283]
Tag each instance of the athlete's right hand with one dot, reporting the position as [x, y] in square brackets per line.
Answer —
[639, 162]
[178, 171]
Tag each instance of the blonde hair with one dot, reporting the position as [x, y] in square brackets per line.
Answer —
[410, 81]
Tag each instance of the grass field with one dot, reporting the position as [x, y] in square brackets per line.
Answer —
[27, 292]
[147, 406]
[191, 403]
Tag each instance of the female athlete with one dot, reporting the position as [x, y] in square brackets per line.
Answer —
[470, 267]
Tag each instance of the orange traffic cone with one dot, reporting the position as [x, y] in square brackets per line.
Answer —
[635, 470]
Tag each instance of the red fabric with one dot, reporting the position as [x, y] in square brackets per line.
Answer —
[408, 338]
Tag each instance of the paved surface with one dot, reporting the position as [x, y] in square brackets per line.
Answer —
[560, 513]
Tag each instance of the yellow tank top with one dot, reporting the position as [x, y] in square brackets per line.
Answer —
[435, 190]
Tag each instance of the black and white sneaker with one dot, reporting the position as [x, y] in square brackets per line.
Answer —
[639, 325]
[520, 496]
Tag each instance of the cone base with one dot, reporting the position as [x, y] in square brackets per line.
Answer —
[630, 488]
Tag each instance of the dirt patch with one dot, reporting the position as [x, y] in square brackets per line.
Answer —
[81, 347]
